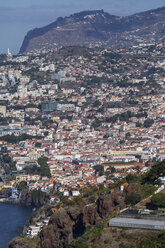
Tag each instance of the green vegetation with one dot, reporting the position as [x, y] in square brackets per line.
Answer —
[92, 235]
[148, 123]
[22, 185]
[15, 139]
[23, 242]
[32, 169]
[38, 144]
[148, 190]
[13, 89]
[132, 178]
[31, 121]
[77, 202]
[132, 198]
[122, 117]
[157, 170]
[41, 169]
[158, 200]
[126, 116]
[97, 103]
[44, 168]
[96, 236]
[99, 169]
[5, 120]
[127, 245]
[57, 214]
[155, 241]
[96, 123]
[93, 80]
[7, 163]
[38, 197]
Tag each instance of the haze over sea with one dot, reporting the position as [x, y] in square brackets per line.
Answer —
[12, 219]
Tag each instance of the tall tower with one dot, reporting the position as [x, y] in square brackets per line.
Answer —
[9, 53]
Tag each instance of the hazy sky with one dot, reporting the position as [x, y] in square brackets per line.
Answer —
[17, 17]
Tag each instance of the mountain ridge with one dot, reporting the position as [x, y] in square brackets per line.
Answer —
[96, 27]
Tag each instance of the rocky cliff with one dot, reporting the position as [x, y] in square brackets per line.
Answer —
[97, 28]
[77, 217]
[71, 223]
[33, 198]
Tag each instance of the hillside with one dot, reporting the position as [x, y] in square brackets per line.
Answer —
[95, 28]
[82, 221]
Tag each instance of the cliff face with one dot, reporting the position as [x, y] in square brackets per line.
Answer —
[59, 231]
[33, 198]
[97, 28]
[25, 198]
[72, 223]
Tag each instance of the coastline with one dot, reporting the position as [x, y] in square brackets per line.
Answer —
[13, 202]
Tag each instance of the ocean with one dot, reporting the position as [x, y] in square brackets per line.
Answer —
[12, 219]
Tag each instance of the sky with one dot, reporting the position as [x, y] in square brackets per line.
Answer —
[17, 17]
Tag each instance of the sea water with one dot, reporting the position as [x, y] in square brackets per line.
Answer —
[12, 220]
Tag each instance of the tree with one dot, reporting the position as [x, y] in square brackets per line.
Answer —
[96, 103]
[33, 169]
[22, 185]
[7, 163]
[148, 123]
[158, 200]
[128, 135]
[6, 158]
[138, 124]
[96, 123]
[14, 139]
[157, 170]
[112, 169]
[132, 198]
[38, 144]
[131, 178]
[99, 169]
[44, 168]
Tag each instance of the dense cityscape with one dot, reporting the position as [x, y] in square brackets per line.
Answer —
[76, 118]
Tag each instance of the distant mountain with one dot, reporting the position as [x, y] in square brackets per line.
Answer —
[97, 27]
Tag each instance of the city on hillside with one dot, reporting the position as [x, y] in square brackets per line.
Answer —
[79, 117]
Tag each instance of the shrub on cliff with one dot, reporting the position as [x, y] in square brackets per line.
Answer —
[132, 198]
[20, 242]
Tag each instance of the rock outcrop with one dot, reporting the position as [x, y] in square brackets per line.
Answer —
[66, 225]
[32, 198]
